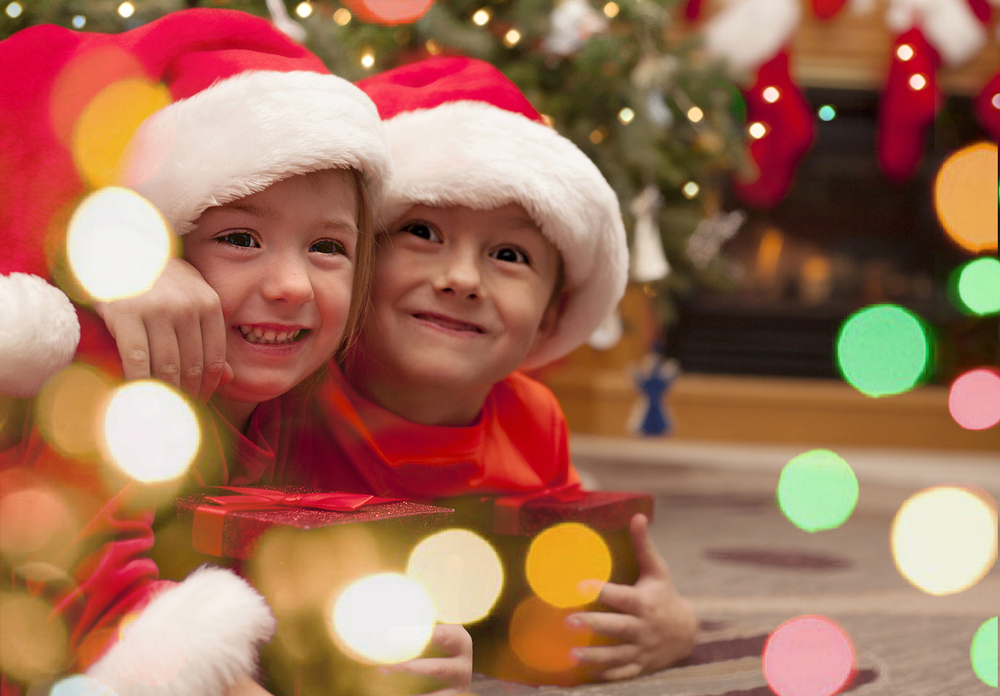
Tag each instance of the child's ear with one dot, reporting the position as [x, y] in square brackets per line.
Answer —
[550, 318]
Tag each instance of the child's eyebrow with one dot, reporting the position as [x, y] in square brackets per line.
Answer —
[338, 225]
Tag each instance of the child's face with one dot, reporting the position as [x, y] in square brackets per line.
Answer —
[459, 296]
[282, 262]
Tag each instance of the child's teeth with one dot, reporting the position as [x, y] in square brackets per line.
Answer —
[269, 336]
[282, 335]
[256, 335]
[258, 332]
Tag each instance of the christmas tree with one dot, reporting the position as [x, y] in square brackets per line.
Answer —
[621, 80]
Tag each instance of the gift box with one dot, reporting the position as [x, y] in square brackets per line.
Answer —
[539, 654]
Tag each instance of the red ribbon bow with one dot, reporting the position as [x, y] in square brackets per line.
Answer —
[209, 519]
[507, 510]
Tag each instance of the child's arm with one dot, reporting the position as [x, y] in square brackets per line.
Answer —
[452, 672]
[655, 626]
[174, 332]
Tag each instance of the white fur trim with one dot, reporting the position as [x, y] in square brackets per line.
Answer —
[39, 333]
[748, 33]
[950, 26]
[244, 133]
[199, 637]
[480, 156]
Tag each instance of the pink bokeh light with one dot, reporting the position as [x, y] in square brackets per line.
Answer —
[974, 399]
[808, 656]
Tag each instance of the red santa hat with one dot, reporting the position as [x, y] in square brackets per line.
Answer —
[248, 107]
[463, 134]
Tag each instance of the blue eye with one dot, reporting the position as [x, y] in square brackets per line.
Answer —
[422, 230]
[239, 239]
[329, 246]
[511, 255]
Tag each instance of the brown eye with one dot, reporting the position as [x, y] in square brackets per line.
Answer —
[239, 239]
[422, 230]
[328, 246]
[510, 255]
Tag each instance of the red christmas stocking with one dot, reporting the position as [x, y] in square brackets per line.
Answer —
[825, 9]
[909, 104]
[988, 107]
[782, 129]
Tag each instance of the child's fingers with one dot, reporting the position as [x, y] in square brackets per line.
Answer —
[452, 639]
[165, 352]
[213, 333]
[133, 347]
[646, 554]
[626, 671]
[623, 627]
[442, 670]
[622, 598]
[606, 655]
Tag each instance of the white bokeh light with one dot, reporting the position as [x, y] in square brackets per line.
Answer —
[150, 431]
[384, 618]
[117, 243]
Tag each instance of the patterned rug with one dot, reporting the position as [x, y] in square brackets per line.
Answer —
[746, 570]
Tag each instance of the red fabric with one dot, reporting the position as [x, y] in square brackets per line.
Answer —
[826, 9]
[519, 443]
[437, 81]
[906, 113]
[790, 132]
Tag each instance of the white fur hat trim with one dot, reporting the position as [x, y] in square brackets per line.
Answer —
[477, 155]
[249, 131]
[199, 637]
[39, 333]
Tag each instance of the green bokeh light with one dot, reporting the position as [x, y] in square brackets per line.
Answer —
[979, 286]
[984, 652]
[827, 112]
[817, 490]
[883, 350]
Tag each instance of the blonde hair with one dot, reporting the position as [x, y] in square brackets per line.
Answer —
[364, 266]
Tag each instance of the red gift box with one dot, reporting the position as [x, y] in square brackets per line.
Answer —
[510, 523]
[230, 521]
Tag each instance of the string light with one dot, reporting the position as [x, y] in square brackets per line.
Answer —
[597, 136]
[481, 17]
[79, 21]
[611, 9]
[771, 95]
[918, 82]
[303, 9]
[14, 10]
[757, 130]
[626, 115]
[433, 47]
[511, 38]
[827, 113]
[126, 9]
[690, 190]
[549, 121]
[996, 101]
[368, 59]
[904, 52]
[342, 16]
[695, 114]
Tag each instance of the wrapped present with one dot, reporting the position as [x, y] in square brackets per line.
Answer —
[525, 638]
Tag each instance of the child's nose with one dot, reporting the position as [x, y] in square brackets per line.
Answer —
[460, 275]
[286, 279]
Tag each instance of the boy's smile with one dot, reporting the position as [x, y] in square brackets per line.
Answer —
[282, 263]
[459, 299]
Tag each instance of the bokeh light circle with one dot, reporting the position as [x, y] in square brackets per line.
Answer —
[540, 638]
[33, 644]
[817, 490]
[150, 431]
[883, 350]
[808, 656]
[117, 243]
[965, 192]
[562, 558]
[389, 12]
[384, 618]
[979, 286]
[80, 685]
[974, 399]
[983, 652]
[944, 540]
[68, 410]
[462, 573]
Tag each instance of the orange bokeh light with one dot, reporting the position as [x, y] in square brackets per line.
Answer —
[389, 11]
[965, 197]
[540, 637]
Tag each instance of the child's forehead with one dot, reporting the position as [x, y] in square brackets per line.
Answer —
[509, 216]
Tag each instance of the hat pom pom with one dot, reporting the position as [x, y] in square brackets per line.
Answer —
[39, 333]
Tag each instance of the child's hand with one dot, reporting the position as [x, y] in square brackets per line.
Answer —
[654, 624]
[453, 671]
[175, 332]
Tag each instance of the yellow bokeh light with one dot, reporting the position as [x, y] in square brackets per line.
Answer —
[126, 9]
[626, 115]
[107, 124]
[68, 407]
[541, 639]
[944, 540]
[34, 521]
[611, 10]
[150, 431]
[965, 197]
[33, 644]
[904, 52]
[384, 618]
[917, 82]
[757, 130]
[303, 9]
[695, 114]
[342, 16]
[462, 573]
[433, 47]
[368, 60]
[481, 17]
[117, 243]
[511, 38]
[690, 190]
[561, 558]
